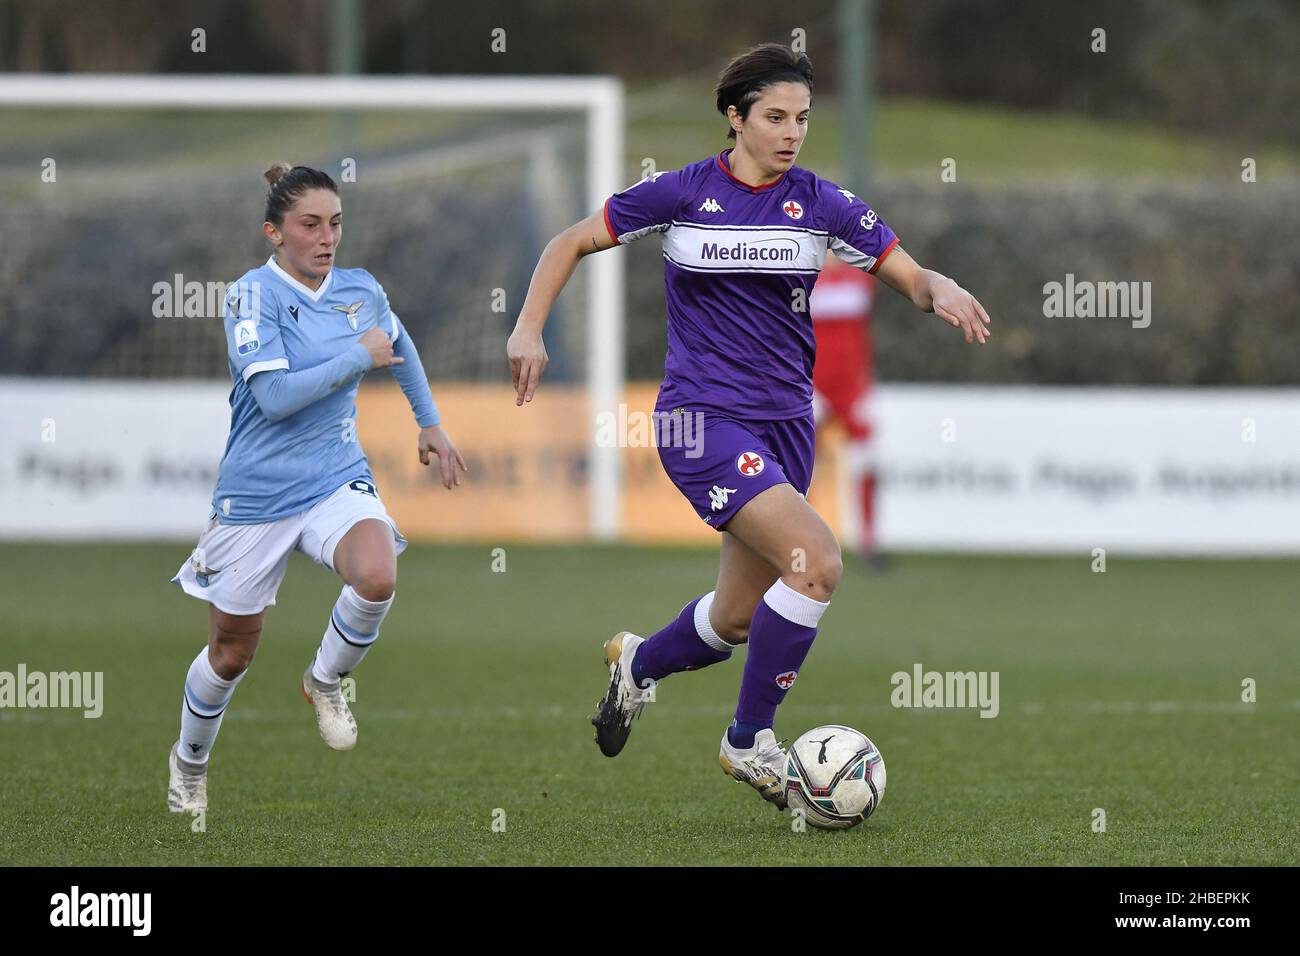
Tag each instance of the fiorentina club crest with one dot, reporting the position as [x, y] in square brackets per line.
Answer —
[786, 681]
[749, 464]
[793, 210]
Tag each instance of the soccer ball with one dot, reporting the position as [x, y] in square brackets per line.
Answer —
[835, 776]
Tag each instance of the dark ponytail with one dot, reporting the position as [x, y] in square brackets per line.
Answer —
[288, 183]
[747, 75]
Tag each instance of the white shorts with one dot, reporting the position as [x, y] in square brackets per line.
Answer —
[239, 567]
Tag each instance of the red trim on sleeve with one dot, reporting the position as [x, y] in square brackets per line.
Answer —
[608, 226]
[881, 258]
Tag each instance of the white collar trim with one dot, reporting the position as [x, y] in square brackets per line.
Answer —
[313, 294]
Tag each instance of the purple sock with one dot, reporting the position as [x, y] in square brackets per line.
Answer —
[687, 644]
[780, 636]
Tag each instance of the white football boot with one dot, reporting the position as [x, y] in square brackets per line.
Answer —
[623, 701]
[337, 726]
[762, 766]
[187, 791]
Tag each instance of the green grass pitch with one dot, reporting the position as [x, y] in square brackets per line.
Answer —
[1119, 691]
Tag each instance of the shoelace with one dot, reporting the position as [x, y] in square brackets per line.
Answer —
[633, 702]
[335, 700]
[637, 696]
[642, 695]
[772, 759]
[190, 786]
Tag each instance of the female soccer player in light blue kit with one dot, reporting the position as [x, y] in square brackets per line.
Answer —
[745, 234]
[301, 334]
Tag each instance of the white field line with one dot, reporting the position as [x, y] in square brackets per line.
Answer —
[1096, 708]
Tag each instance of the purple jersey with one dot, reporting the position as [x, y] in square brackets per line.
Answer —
[740, 263]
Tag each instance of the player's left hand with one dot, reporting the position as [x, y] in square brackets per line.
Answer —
[959, 308]
[434, 439]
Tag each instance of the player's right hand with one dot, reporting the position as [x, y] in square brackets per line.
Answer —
[380, 348]
[527, 354]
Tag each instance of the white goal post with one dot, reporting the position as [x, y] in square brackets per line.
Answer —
[599, 98]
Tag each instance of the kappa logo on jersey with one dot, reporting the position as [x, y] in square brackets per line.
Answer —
[293, 310]
[246, 340]
[869, 220]
[711, 205]
[846, 194]
[718, 497]
[786, 681]
[351, 312]
[793, 210]
[750, 464]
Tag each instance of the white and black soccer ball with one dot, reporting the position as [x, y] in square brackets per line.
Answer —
[835, 776]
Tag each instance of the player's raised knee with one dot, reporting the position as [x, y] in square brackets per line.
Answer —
[376, 584]
[818, 574]
[233, 652]
[232, 642]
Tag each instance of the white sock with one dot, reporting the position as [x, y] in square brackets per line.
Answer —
[353, 627]
[705, 629]
[793, 606]
[205, 701]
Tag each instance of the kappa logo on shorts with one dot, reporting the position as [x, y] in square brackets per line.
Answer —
[786, 681]
[718, 497]
[750, 464]
[364, 487]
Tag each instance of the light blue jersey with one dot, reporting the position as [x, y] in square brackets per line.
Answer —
[296, 361]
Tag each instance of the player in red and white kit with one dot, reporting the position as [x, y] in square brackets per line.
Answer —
[842, 379]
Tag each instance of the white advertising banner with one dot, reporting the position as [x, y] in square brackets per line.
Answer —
[83, 459]
[963, 468]
[1048, 469]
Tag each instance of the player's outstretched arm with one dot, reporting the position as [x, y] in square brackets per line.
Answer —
[525, 349]
[932, 292]
[409, 373]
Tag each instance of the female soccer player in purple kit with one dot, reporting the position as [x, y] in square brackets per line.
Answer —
[745, 234]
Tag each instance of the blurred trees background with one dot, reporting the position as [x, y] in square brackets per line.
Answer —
[1205, 66]
[1222, 256]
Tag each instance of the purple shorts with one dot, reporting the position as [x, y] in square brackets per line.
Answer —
[726, 462]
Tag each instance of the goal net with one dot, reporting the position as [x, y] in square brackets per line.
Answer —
[126, 203]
